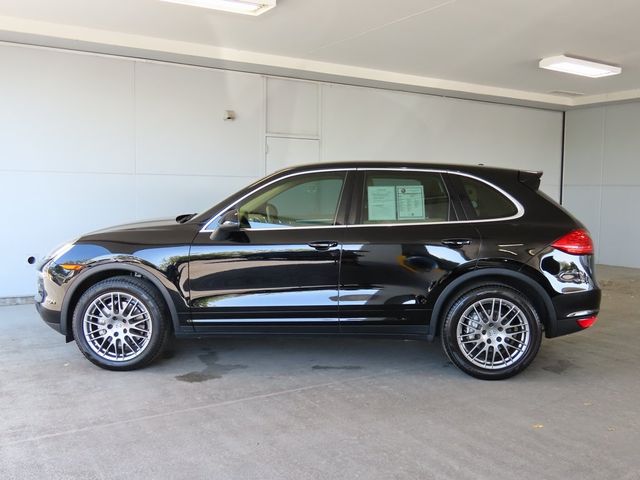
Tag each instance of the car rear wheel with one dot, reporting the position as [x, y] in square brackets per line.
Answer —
[492, 332]
[120, 323]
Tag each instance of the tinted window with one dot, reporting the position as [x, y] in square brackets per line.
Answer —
[298, 201]
[486, 201]
[397, 197]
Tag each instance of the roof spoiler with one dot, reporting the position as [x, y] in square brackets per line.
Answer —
[530, 178]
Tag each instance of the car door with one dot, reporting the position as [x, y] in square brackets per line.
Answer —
[279, 270]
[404, 237]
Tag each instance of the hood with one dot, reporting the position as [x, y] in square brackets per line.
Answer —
[152, 224]
[151, 241]
[164, 231]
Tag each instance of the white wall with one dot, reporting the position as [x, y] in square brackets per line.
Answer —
[602, 177]
[89, 141]
[360, 123]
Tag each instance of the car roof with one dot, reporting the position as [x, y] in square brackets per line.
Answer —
[475, 169]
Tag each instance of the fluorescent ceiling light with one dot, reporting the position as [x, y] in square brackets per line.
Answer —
[577, 66]
[246, 7]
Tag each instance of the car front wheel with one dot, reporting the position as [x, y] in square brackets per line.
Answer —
[120, 323]
[492, 332]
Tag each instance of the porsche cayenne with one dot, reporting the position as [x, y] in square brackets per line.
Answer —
[475, 256]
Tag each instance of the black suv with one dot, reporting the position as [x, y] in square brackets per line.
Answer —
[472, 254]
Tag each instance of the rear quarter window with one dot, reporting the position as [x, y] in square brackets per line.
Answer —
[485, 202]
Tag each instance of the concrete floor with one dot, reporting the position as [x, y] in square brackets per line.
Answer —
[324, 408]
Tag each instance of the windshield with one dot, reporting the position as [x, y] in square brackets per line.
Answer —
[207, 215]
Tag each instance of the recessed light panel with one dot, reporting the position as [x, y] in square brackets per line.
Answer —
[245, 7]
[577, 66]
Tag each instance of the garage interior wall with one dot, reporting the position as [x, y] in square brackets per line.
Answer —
[602, 177]
[88, 141]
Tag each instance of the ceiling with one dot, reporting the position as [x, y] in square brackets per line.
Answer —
[485, 49]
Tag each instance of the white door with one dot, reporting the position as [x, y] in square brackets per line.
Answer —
[285, 152]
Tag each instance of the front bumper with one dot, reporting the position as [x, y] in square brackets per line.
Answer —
[50, 317]
[48, 303]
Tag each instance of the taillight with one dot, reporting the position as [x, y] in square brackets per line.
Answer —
[587, 322]
[577, 242]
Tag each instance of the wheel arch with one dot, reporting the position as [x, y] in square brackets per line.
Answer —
[102, 272]
[513, 278]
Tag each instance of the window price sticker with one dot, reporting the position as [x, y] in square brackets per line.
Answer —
[381, 203]
[410, 202]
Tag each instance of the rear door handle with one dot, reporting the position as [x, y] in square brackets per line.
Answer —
[323, 245]
[456, 242]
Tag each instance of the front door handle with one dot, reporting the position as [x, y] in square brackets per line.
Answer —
[323, 245]
[456, 242]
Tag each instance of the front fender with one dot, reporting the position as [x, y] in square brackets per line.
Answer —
[104, 269]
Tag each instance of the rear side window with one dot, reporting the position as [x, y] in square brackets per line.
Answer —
[404, 197]
[486, 202]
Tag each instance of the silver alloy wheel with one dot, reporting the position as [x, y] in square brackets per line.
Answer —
[117, 326]
[493, 333]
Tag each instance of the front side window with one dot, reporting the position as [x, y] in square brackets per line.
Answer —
[298, 201]
[404, 197]
[486, 202]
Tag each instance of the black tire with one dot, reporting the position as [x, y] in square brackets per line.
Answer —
[154, 318]
[489, 336]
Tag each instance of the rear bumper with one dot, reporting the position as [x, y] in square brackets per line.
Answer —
[571, 307]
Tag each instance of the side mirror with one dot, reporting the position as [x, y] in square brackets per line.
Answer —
[228, 224]
[185, 217]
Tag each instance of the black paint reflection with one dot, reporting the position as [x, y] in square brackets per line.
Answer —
[567, 273]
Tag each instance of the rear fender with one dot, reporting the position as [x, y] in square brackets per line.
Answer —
[491, 274]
